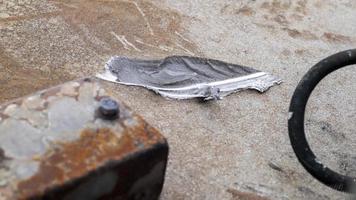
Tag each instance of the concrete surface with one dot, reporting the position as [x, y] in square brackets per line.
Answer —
[237, 148]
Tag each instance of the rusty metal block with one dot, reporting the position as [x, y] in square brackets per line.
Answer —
[58, 144]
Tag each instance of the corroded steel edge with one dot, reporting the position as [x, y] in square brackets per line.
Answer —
[155, 146]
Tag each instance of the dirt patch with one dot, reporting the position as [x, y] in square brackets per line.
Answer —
[281, 16]
[304, 34]
[17, 81]
[301, 7]
[336, 38]
[286, 52]
[245, 10]
[300, 52]
[232, 9]
[283, 7]
[134, 26]
[238, 195]
[281, 19]
[276, 6]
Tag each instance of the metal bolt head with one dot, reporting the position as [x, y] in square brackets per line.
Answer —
[109, 108]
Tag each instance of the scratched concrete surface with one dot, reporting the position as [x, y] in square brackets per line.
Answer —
[237, 148]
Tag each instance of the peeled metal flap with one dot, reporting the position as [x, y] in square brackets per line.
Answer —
[183, 77]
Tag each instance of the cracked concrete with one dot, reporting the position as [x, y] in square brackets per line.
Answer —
[231, 149]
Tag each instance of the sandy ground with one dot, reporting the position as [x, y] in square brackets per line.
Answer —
[236, 148]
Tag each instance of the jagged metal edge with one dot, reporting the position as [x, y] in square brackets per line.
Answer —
[260, 81]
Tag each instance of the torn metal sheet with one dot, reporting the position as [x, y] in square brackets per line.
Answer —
[183, 77]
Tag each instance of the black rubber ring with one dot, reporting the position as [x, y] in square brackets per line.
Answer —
[296, 121]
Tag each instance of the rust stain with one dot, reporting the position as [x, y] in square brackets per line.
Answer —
[336, 38]
[238, 195]
[94, 148]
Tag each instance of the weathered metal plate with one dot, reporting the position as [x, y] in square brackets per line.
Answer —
[54, 145]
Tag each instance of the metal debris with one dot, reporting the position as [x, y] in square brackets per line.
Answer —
[183, 77]
[53, 145]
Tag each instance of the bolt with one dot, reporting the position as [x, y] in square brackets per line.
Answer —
[109, 108]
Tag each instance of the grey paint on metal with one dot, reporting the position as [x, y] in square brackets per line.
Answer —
[183, 77]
